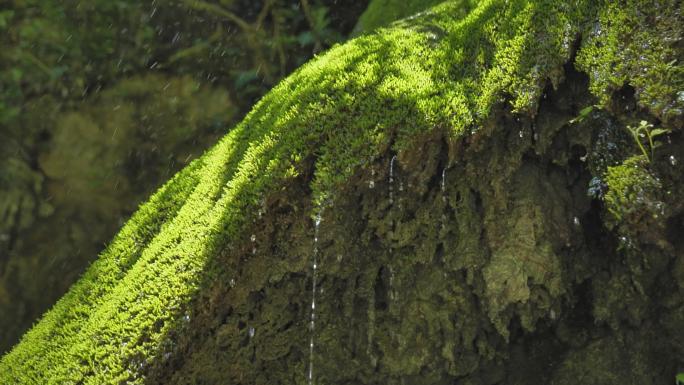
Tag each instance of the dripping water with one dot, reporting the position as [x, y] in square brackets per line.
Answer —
[312, 323]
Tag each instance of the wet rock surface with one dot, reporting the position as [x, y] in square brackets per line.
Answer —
[482, 261]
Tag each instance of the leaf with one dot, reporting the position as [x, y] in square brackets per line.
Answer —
[584, 112]
[659, 131]
[680, 378]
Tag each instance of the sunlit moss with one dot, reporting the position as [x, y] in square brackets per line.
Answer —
[448, 69]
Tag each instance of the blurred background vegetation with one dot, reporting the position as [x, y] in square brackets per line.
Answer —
[101, 101]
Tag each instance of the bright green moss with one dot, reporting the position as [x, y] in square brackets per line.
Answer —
[619, 51]
[446, 69]
[633, 194]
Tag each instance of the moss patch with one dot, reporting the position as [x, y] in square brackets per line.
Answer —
[449, 234]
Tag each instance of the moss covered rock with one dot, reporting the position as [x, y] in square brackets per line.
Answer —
[425, 204]
[102, 102]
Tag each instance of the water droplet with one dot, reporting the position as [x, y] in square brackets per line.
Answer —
[443, 185]
[371, 184]
[673, 160]
[576, 221]
[521, 134]
[314, 268]
[232, 282]
[252, 331]
[253, 238]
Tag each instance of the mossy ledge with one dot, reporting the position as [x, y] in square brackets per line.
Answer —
[478, 259]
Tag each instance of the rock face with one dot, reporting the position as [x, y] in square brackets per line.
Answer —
[487, 193]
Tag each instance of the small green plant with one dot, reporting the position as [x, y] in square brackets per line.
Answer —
[645, 134]
[583, 114]
[679, 380]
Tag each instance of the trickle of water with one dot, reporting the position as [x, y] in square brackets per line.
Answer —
[673, 160]
[391, 179]
[312, 323]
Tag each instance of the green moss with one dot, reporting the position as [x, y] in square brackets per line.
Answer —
[633, 198]
[450, 69]
[619, 52]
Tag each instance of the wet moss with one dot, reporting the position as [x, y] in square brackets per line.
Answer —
[455, 228]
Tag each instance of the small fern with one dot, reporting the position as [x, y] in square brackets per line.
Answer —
[645, 135]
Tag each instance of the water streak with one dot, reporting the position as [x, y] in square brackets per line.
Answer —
[312, 324]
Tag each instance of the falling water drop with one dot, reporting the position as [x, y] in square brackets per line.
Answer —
[576, 221]
[673, 160]
[252, 331]
[521, 134]
[312, 323]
